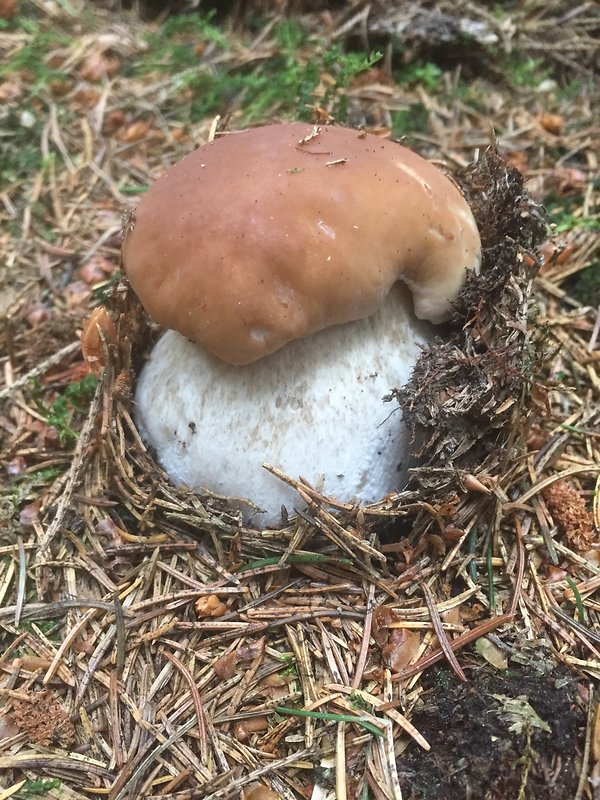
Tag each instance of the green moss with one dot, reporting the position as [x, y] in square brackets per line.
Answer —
[585, 286]
[61, 412]
[526, 72]
[407, 122]
[422, 73]
[284, 83]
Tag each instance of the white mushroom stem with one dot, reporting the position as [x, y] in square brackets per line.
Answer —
[314, 409]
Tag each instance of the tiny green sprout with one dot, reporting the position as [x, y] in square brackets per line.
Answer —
[322, 715]
[409, 121]
[359, 703]
[584, 285]
[60, 413]
[35, 788]
[527, 73]
[47, 627]
[426, 74]
[134, 189]
[290, 668]
[290, 34]
[578, 600]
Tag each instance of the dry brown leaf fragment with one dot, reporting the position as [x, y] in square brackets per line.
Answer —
[473, 484]
[555, 574]
[113, 120]
[30, 513]
[244, 729]
[86, 97]
[60, 87]
[96, 269]
[452, 533]
[570, 513]
[98, 66]
[35, 315]
[135, 131]
[539, 397]
[518, 159]
[224, 667]
[42, 718]
[8, 727]
[250, 650]
[98, 326]
[536, 437]
[76, 293]
[210, 606]
[553, 123]
[16, 466]
[556, 253]
[259, 791]
[401, 649]
[30, 663]
[9, 90]
[383, 617]
[565, 181]
[492, 653]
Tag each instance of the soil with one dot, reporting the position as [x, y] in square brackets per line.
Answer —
[481, 749]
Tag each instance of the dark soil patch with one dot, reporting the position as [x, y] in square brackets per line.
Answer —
[485, 740]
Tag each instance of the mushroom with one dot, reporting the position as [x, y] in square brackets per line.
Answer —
[286, 262]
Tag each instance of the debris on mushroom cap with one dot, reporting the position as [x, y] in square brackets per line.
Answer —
[268, 235]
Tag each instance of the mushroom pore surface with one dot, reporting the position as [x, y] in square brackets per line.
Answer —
[268, 235]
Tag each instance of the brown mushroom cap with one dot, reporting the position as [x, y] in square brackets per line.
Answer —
[269, 235]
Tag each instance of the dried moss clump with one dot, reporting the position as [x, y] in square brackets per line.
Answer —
[42, 718]
[471, 391]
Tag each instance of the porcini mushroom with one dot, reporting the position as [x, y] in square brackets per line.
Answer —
[280, 258]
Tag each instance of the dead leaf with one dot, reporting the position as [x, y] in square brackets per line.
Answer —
[519, 710]
[553, 123]
[492, 653]
[401, 650]
[383, 616]
[9, 91]
[35, 315]
[77, 293]
[87, 98]
[555, 574]
[98, 326]
[565, 180]
[136, 131]
[224, 667]
[210, 606]
[16, 466]
[113, 120]
[30, 513]
[259, 791]
[98, 66]
[244, 729]
[250, 650]
[8, 727]
[96, 270]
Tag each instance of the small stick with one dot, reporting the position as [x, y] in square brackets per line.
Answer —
[197, 703]
[455, 644]
[441, 633]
